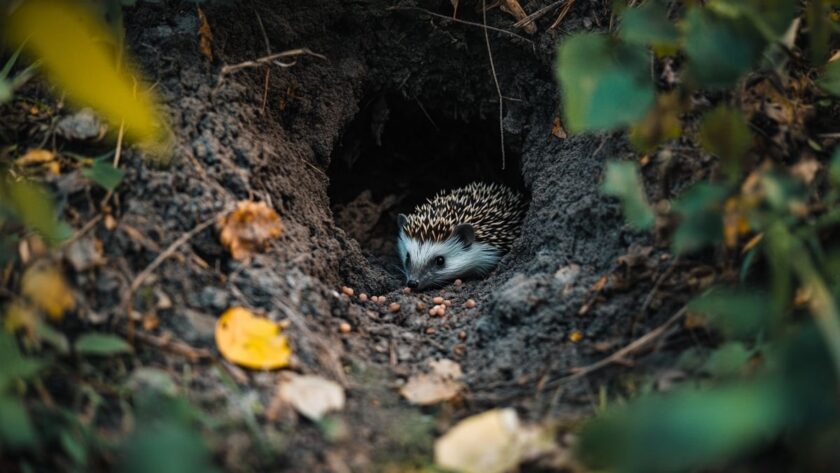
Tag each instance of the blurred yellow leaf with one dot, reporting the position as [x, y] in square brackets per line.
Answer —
[44, 285]
[35, 156]
[70, 43]
[494, 441]
[248, 228]
[20, 316]
[251, 341]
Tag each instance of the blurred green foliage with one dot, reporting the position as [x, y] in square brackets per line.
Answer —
[774, 378]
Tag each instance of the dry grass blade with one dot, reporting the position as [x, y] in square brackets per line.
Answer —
[270, 59]
[538, 14]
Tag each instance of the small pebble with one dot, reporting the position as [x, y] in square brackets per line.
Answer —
[433, 311]
[459, 349]
[284, 324]
[462, 335]
[458, 283]
[469, 304]
[431, 331]
[576, 336]
[394, 307]
[438, 300]
[363, 297]
[447, 303]
[344, 327]
[347, 291]
[381, 300]
[406, 290]
[420, 307]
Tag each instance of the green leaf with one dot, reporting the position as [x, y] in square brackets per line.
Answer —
[605, 84]
[33, 207]
[101, 344]
[104, 174]
[829, 81]
[819, 30]
[719, 50]
[54, 338]
[724, 133]
[727, 361]
[685, 431]
[771, 17]
[738, 314]
[649, 25]
[834, 168]
[622, 181]
[700, 208]
[16, 429]
[15, 365]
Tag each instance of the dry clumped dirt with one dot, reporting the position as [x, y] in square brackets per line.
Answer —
[404, 105]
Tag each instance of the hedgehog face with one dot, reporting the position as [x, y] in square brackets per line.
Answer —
[434, 263]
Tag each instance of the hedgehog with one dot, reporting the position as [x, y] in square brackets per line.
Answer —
[458, 234]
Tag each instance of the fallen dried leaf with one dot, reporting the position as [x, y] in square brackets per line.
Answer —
[44, 286]
[312, 396]
[806, 169]
[205, 36]
[512, 7]
[35, 156]
[490, 442]
[441, 384]
[248, 228]
[251, 341]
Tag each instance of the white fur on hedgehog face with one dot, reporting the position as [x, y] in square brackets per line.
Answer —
[421, 260]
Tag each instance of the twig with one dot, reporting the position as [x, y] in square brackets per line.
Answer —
[537, 14]
[463, 22]
[171, 345]
[270, 59]
[623, 353]
[141, 278]
[267, 69]
[495, 81]
[562, 15]
[82, 231]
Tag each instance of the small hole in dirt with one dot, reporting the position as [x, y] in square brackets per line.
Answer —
[397, 153]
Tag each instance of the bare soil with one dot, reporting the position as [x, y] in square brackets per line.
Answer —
[405, 105]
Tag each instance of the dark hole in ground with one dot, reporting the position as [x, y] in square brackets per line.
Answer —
[397, 153]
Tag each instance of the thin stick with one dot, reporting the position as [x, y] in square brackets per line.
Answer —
[270, 59]
[463, 22]
[267, 68]
[83, 231]
[141, 278]
[537, 14]
[633, 347]
[495, 81]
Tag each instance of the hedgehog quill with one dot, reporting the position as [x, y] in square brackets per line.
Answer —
[462, 234]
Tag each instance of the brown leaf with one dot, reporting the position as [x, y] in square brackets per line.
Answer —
[205, 36]
[557, 129]
[806, 169]
[248, 228]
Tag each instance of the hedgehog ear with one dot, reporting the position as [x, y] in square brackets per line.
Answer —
[402, 221]
[465, 233]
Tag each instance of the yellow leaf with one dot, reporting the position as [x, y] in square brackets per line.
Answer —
[494, 441]
[70, 43]
[248, 228]
[44, 285]
[251, 341]
[20, 316]
[35, 156]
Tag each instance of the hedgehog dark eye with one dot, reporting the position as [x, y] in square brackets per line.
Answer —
[407, 258]
[440, 261]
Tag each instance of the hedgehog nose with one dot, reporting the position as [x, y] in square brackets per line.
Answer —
[412, 283]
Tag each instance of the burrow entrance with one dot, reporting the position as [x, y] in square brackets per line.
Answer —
[397, 153]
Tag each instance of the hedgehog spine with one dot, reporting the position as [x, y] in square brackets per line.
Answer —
[458, 234]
